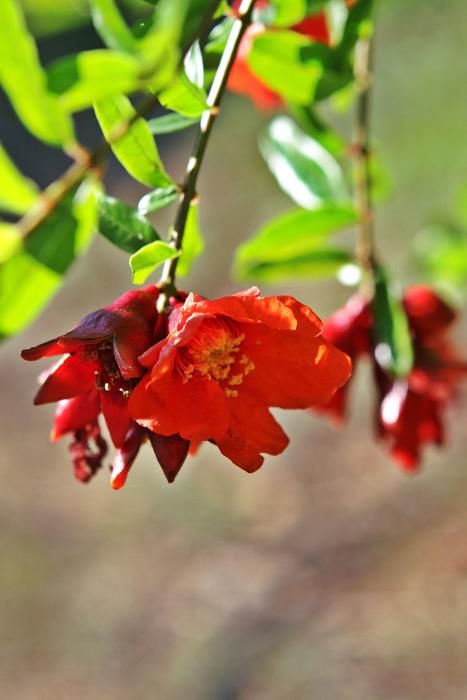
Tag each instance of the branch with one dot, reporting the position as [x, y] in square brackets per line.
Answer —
[365, 235]
[243, 19]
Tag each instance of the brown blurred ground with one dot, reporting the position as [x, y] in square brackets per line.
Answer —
[328, 574]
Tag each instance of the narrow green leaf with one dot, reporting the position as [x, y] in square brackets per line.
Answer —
[279, 59]
[322, 262]
[303, 168]
[193, 242]
[35, 270]
[111, 26]
[312, 124]
[184, 97]
[169, 123]
[147, 259]
[136, 150]
[294, 234]
[17, 193]
[124, 226]
[24, 81]
[394, 351]
[158, 199]
[90, 76]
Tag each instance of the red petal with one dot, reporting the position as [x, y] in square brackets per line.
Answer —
[126, 456]
[70, 377]
[73, 414]
[171, 452]
[196, 409]
[292, 369]
[252, 430]
[115, 410]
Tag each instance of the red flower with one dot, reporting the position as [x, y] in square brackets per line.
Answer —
[410, 411]
[99, 370]
[225, 362]
[243, 80]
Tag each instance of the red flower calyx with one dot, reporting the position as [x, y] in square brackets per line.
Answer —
[97, 373]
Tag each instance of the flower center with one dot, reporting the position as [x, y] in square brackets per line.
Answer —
[108, 376]
[213, 353]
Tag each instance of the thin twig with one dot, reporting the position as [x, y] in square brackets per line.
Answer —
[243, 19]
[365, 236]
[87, 161]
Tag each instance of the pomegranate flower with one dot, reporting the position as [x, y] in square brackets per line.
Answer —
[243, 80]
[97, 373]
[225, 362]
[409, 413]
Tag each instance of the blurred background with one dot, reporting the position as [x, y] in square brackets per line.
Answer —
[328, 573]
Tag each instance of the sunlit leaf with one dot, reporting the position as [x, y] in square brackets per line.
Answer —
[111, 26]
[124, 226]
[136, 150]
[193, 242]
[35, 270]
[293, 234]
[24, 81]
[303, 168]
[17, 193]
[322, 262]
[184, 97]
[149, 258]
[280, 59]
[194, 65]
[394, 350]
[158, 199]
[285, 13]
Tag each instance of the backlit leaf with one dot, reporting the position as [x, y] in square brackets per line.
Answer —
[24, 81]
[193, 242]
[136, 150]
[17, 193]
[149, 258]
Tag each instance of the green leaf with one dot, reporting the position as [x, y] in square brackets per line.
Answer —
[302, 167]
[136, 150]
[184, 97]
[35, 271]
[91, 76]
[17, 193]
[111, 26]
[288, 12]
[193, 242]
[124, 226]
[279, 59]
[158, 199]
[147, 259]
[169, 123]
[24, 81]
[394, 351]
[294, 234]
[10, 240]
[322, 262]
[441, 249]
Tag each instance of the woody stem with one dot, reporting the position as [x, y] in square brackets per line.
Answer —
[188, 193]
[364, 250]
